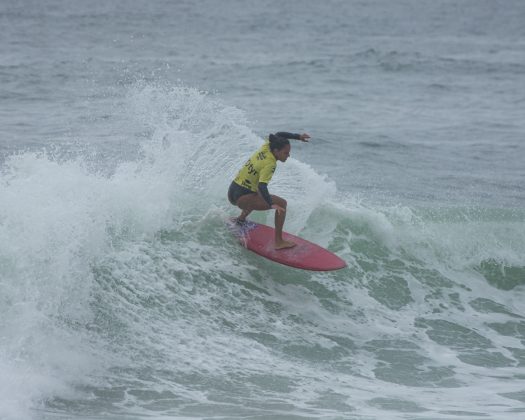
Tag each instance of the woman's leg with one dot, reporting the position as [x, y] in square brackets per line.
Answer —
[279, 218]
[249, 202]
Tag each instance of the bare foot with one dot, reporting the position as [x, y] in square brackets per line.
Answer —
[284, 244]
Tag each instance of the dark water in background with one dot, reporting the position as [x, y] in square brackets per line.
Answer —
[121, 126]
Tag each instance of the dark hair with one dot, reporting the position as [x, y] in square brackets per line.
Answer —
[277, 142]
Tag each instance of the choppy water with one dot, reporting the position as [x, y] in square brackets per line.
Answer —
[122, 294]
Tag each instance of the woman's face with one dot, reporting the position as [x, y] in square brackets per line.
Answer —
[282, 154]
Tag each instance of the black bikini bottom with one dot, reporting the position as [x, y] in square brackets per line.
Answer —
[235, 191]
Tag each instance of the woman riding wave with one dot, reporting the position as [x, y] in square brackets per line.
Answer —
[249, 189]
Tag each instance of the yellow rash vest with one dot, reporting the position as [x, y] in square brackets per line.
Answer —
[259, 168]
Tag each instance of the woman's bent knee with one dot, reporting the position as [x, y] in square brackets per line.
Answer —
[279, 201]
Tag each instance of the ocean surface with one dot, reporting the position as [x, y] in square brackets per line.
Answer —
[122, 293]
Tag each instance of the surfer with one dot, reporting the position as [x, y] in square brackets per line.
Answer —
[249, 189]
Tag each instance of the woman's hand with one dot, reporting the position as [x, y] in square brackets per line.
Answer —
[304, 137]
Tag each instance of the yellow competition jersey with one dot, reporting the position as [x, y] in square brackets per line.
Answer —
[259, 168]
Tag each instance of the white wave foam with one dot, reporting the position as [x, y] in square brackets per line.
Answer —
[58, 218]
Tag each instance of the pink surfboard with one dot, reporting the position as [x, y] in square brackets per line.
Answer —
[305, 255]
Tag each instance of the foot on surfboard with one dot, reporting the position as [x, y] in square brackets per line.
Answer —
[284, 244]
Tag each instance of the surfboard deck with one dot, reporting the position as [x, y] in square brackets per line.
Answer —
[305, 255]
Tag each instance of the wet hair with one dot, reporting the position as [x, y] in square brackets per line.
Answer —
[277, 142]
